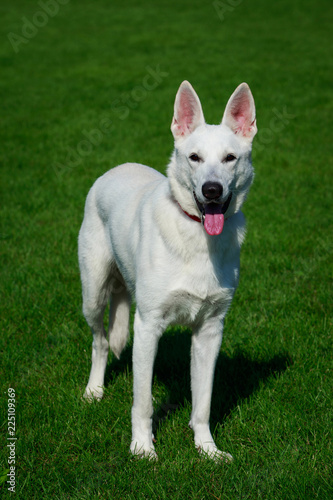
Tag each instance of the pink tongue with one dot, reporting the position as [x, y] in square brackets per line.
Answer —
[214, 220]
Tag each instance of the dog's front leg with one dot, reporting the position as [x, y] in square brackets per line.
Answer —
[206, 343]
[146, 336]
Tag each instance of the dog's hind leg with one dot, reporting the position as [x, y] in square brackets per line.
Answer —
[95, 267]
[93, 310]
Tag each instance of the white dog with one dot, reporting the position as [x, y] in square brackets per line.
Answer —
[172, 244]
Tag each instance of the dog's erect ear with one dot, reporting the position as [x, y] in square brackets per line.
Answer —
[240, 112]
[188, 113]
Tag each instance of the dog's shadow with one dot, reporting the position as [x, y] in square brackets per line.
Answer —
[236, 377]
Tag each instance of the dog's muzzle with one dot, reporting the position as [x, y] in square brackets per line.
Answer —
[223, 207]
[212, 212]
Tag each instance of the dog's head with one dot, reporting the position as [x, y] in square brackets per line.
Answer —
[210, 171]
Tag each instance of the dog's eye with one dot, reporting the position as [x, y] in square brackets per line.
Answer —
[194, 157]
[230, 157]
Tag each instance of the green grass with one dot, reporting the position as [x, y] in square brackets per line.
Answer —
[272, 405]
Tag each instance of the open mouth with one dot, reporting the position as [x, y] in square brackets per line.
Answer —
[213, 215]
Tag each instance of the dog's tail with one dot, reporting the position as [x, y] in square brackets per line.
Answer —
[120, 306]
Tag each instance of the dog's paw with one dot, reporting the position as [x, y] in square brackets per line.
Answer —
[93, 394]
[143, 450]
[206, 446]
[216, 455]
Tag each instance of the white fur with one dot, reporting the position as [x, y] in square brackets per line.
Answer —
[137, 242]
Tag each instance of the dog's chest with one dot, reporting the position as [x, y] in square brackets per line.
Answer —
[199, 293]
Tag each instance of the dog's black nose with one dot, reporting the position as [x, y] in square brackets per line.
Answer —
[212, 190]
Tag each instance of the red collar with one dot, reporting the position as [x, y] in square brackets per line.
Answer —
[193, 217]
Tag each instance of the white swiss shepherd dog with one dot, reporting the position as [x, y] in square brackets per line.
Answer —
[172, 244]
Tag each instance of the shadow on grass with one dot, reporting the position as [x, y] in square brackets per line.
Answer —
[236, 377]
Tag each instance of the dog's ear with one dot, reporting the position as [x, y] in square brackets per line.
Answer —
[188, 113]
[240, 112]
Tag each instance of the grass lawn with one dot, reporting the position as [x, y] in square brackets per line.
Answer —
[85, 86]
